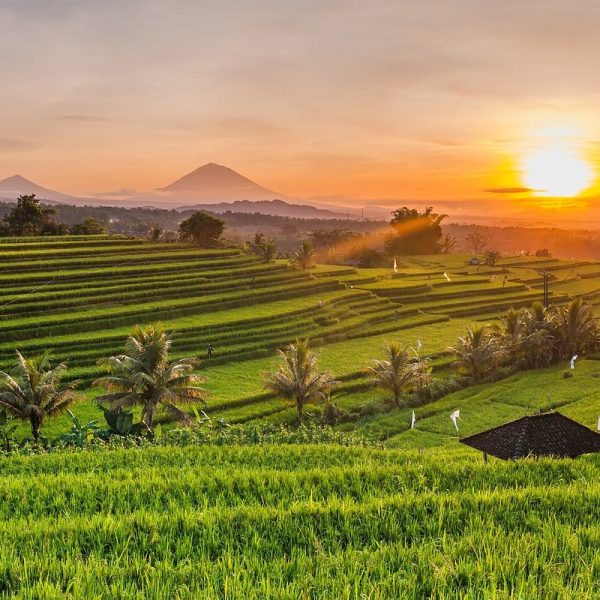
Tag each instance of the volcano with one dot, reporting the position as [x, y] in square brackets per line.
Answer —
[216, 183]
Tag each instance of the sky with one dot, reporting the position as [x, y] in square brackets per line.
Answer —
[347, 100]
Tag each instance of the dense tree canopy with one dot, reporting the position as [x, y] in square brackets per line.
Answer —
[202, 229]
[90, 226]
[414, 232]
[29, 217]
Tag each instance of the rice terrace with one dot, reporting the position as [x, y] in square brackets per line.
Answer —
[373, 509]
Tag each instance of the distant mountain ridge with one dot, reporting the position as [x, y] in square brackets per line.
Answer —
[268, 207]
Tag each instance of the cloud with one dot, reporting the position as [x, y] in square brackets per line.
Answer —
[10, 145]
[510, 190]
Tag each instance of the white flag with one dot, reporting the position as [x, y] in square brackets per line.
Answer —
[395, 265]
[573, 362]
[413, 420]
[419, 345]
[454, 417]
[446, 276]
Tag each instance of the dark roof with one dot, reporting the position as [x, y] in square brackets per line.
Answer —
[548, 434]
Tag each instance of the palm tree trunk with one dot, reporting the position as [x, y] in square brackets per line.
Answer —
[36, 422]
[300, 406]
[148, 417]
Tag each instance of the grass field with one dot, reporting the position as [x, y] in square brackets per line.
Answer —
[297, 521]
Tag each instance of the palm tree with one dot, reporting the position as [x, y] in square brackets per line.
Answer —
[396, 373]
[36, 391]
[477, 352]
[448, 244]
[538, 349]
[144, 376]
[299, 379]
[576, 328]
[266, 250]
[304, 257]
[513, 332]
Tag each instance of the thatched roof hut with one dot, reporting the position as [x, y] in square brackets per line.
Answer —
[547, 434]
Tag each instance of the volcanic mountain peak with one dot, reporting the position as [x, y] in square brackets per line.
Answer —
[216, 182]
[14, 186]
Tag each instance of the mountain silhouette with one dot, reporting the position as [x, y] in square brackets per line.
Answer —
[15, 186]
[216, 183]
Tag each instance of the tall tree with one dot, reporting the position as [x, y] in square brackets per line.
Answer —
[202, 229]
[36, 391]
[29, 217]
[414, 232]
[476, 242]
[145, 376]
[298, 378]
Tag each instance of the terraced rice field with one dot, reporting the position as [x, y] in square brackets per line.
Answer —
[297, 521]
[81, 296]
[422, 517]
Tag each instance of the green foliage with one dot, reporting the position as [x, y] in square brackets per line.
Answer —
[79, 434]
[202, 229]
[491, 257]
[145, 376]
[29, 217]
[304, 257]
[414, 232]
[298, 378]
[89, 226]
[36, 391]
[478, 353]
[398, 373]
[7, 431]
[155, 233]
[120, 422]
[263, 247]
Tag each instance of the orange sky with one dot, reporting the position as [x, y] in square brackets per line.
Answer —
[381, 99]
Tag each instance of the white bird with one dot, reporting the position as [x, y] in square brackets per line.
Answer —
[446, 276]
[573, 361]
[454, 418]
[419, 345]
[395, 265]
[413, 420]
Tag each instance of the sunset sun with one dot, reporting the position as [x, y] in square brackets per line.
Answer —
[557, 172]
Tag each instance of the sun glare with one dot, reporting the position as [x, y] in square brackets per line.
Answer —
[557, 168]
